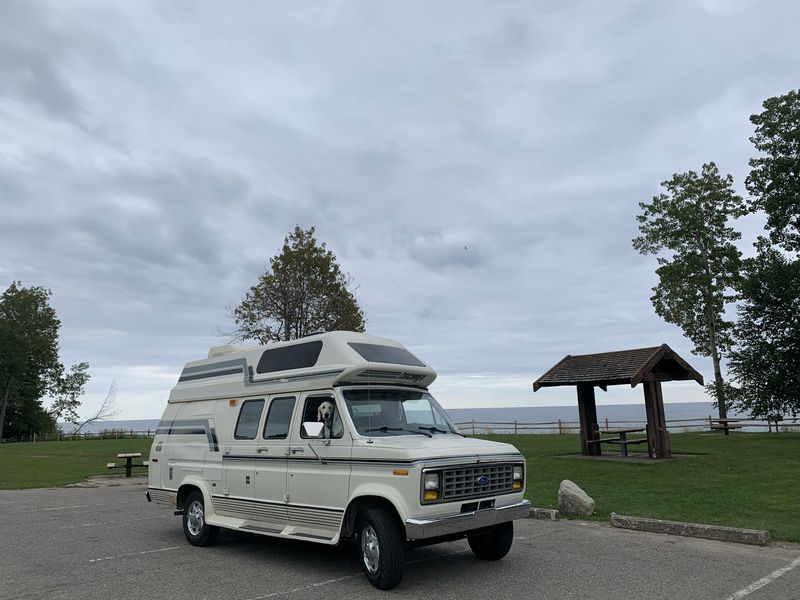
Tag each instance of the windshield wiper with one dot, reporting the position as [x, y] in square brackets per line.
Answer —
[385, 428]
[432, 429]
[437, 430]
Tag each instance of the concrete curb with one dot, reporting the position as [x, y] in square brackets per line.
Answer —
[756, 537]
[548, 514]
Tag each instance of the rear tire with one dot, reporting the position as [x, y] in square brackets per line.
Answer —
[195, 528]
[381, 547]
[493, 544]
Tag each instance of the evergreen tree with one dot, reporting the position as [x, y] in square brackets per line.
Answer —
[303, 292]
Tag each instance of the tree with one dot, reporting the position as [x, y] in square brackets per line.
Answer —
[766, 360]
[29, 362]
[68, 391]
[697, 280]
[774, 181]
[304, 291]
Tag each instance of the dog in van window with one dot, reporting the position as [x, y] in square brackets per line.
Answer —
[325, 416]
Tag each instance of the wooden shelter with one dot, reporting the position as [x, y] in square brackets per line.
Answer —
[648, 366]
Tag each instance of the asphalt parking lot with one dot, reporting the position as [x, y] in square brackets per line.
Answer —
[108, 542]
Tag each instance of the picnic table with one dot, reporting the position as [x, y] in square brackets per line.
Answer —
[726, 425]
[621, 439]
[129, 464]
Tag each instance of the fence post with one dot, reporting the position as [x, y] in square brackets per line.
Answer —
[515, 427]
[560, 431]
[473, 426]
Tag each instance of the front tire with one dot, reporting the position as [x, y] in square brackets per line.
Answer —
[381, 547]
[493, 544]
[195, 528]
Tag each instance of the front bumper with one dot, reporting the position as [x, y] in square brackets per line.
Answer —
[420, 529]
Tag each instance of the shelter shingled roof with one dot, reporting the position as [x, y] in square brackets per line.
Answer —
[613, 368]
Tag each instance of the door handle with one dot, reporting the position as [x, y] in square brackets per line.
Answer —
[262, 449]
[296, 450]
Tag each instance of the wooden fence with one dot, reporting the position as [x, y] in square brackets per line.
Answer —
[474, 427]
[108, 434]
[560, 426]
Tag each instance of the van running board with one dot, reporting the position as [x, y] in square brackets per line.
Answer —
[310, 536]
[271, 530]
[257, 528]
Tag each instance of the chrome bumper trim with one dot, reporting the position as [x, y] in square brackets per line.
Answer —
[419, 529]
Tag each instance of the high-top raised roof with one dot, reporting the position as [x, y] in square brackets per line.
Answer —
[313, 362]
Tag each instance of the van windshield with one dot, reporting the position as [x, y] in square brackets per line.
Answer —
[387, 412]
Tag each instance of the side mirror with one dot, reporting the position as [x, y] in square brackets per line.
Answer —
[313, 429]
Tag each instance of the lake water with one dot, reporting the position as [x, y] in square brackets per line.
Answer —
[525, 414]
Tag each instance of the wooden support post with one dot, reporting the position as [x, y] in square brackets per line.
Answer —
[587, 410]
[657, 435]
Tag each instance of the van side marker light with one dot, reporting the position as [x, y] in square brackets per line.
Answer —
[400, 472]
[232, 402]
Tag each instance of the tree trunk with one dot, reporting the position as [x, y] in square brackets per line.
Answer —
[711, 323]
[718, 383]
[3, 407]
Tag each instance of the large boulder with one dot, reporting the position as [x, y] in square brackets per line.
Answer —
[573, 500]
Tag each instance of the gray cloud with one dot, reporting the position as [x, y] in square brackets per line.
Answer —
[153, 156]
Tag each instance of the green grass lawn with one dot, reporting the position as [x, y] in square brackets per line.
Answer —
[45, 464]
[742, 480]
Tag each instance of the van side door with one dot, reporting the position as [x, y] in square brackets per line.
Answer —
[269, 507]
[319, 471]
[239, 457]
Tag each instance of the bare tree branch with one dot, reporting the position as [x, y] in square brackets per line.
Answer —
[107, 410]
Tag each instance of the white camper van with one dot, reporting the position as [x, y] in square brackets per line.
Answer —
[326, 438]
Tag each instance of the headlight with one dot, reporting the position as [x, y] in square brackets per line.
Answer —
[519, 475]
[430, 487]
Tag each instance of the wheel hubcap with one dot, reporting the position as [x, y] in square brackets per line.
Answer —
[194, 521]
[370, 549]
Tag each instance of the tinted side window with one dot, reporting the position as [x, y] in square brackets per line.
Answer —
[249, 416]
[386, 354]
[278, 418]
[296, 356]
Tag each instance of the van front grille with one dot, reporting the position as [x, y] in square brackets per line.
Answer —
[477, 481]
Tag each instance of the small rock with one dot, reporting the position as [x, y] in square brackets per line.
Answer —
[573, 500]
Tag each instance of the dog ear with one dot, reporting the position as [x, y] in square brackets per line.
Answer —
[319, 413]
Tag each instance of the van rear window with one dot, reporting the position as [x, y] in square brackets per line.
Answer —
[297, 356]
[386, 354]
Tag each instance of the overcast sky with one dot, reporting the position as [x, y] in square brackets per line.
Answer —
[475, 166]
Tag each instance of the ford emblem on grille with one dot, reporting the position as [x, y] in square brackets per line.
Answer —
[482, 480]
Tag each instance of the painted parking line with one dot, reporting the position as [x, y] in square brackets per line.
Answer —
[116, 522]
[311, 586]
[73, 506]
[757, 585]
[129, 554]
